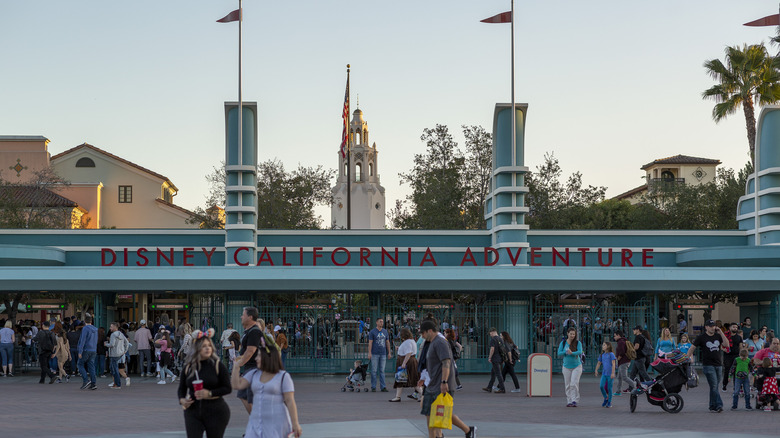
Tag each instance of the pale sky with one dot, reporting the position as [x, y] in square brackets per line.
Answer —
[611, 84]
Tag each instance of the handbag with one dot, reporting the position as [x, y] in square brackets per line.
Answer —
[401, 375]
[441, 412]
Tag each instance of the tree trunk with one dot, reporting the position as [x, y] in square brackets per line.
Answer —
[750, 121]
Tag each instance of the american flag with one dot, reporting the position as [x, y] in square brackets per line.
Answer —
[345, 119]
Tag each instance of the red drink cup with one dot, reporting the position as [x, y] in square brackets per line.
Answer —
[197, 385]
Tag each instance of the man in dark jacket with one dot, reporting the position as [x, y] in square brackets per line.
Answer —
[496, 360]
[641, 362]
[46, 343]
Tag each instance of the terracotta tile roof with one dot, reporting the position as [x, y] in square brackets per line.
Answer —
[681, 159]
[31, 196]
[631, 192]
[174, 206]
[117, 158]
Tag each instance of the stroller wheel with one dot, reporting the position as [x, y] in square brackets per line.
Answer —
[672, 403]
[343, 389]
[632, 402]
[365, 389]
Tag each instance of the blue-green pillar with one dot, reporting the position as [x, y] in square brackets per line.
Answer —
[505, 207]
[241, 185]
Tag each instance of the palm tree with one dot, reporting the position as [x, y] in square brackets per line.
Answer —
[749, 75]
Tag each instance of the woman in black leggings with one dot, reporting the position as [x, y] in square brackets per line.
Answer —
[509, 367]
[204, 409]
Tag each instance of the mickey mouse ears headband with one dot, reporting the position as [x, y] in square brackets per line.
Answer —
[198, 334]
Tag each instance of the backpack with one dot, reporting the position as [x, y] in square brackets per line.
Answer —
[47, 342]
[515, 354]
[505, 355]
[455, 351]
[647, 349]
[630, 352]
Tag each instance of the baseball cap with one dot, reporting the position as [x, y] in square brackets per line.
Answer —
[143, 322]
[709, 323]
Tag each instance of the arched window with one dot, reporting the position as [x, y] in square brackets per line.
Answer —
[370, 169]
[357, 137]
[85, 162]
[358, 172]
[365, 136]
[667, 175]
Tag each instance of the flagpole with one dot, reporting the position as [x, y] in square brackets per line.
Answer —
[240, 97]
[514, 115]
[349, 161]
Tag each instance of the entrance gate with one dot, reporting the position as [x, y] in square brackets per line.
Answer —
[596, 320]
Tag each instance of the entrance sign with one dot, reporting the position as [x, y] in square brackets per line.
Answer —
[395, 256]
[539, 375]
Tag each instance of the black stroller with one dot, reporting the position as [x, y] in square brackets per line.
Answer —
[664, 391]
[356, 379]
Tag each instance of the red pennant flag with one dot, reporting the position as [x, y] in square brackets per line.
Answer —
[233, 16]
[771, 20]
[504, 17]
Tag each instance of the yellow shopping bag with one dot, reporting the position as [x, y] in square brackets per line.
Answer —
[441, 412]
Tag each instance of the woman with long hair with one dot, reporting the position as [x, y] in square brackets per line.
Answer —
[186, 342]
[665, 344]
[406, 360]
[456, 349]
[509, 367]
[274, 413]
[100, 358]
[7, 342]
[571, 350]
[204, 381]
[166, 357]
[62, 353]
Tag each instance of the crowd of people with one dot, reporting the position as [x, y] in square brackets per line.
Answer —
[736, 352]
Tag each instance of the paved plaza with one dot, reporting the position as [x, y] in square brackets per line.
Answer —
[145, 409]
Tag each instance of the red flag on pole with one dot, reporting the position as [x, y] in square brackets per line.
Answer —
[233, 16]
[504, 17]
[345, 120]
[770, 20]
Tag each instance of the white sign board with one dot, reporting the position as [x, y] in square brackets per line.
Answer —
[539, 375]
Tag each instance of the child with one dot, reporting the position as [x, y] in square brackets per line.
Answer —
[608, 360]
[684, 344]
[740, 371]
[769, 391]
[356, 376]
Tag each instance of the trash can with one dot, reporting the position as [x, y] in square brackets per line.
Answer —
[539, 375]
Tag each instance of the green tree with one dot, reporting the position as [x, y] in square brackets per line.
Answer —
[285, 200]
[477, 174]
[554, 204]
[438, 193]
[749, 76]
[34, 204]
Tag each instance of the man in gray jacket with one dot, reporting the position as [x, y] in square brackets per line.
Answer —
[117, 347]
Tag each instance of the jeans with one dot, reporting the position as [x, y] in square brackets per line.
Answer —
[378, 362]
[571, 379]
[145, 355]
[639, 366]
[7, 353]
[100, 364]
[495, 374]
[713, 375]
[744, 384]
[74, 359]
[115, 371]
[88, 374]
[43, 362]
[622, 372]
[509, 368]
[30, 352]
[606, 388]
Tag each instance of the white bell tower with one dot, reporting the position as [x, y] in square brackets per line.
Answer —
[368, 196]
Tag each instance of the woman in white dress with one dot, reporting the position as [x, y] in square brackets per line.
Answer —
[274, 413]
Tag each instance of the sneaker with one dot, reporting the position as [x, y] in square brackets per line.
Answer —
[733, 408]
[472, 433]
[500, 391]
[93, 386]
[174, 379]
[724, 389]
[719, 410]
[604, 403]
[569, 405]
[161, 382]
[517, 390]
[127, 381]
[381, 390]
[10, 374]
[412, 396]
[628, 390]
[67, 378]
[617, 394]
[459, 387]
[487, 389]
[111, 385]
[85, 386]
[574, 404]
[116, 387]
[767, 408]
[58, 380]
[495, 388]
[52, 380]
[748, 408]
